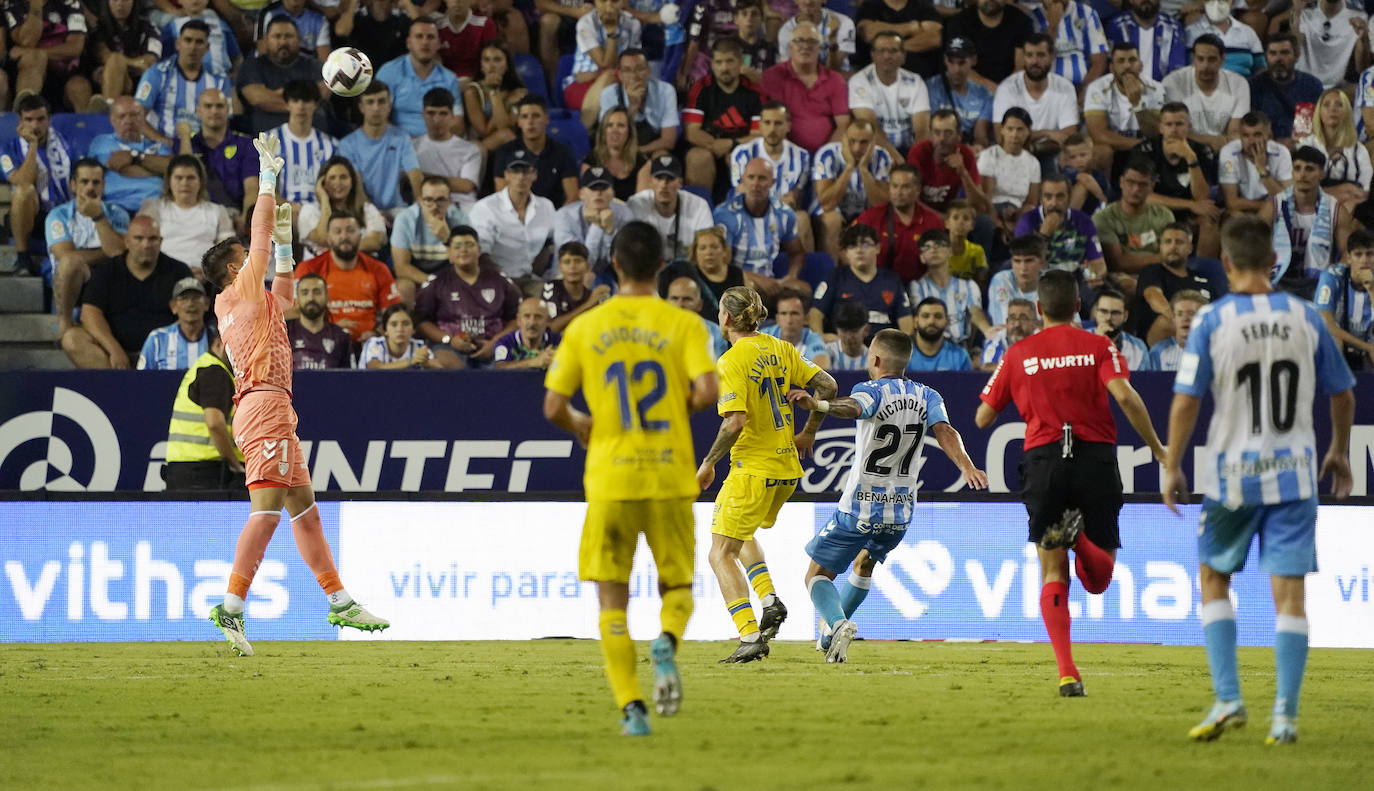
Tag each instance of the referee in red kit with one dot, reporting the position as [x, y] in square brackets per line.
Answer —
[1059, 379]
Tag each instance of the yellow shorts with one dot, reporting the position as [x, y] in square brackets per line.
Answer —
[611, 533]
[748, 502]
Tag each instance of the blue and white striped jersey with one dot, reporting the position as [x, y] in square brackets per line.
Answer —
[171, 96]
[895, 416]
[829, 164]
[1349, 304]
[302, 157]
[756, 241]
[1163, 47]
[791, 171]
[1364, 97]
[1166, 355]
[590, 34]
[1264, 358]
[1080, 35]
[54, 165]
[166, 349]
[960, 294]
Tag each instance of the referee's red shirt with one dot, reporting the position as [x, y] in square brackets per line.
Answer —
[1055, 376]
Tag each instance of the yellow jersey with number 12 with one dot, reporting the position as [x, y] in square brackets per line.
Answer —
[755, 376]
[634, 359]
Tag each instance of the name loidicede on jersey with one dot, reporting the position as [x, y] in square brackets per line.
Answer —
[1263, 357]
[895, 416]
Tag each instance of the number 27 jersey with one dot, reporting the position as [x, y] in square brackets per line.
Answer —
[894, 417]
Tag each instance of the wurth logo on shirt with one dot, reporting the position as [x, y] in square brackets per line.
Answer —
[1034, 364]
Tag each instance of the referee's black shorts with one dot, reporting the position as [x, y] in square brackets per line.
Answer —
[1090, 482]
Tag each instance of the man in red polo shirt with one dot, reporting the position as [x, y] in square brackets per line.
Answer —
[817, 97]
[1059, 379]
[900, 223]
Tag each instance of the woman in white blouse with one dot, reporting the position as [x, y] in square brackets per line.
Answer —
[190, 223]
[397, 347]
[1348, 169]
[1010, 173]
[338, 188]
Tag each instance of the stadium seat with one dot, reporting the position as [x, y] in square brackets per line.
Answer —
[565, 66]
[571, 133]
[846, 7]
[80, 129]
[817, 268]
[532, 74]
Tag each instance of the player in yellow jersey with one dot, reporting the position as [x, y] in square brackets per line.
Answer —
[643, 366]
[765, 466]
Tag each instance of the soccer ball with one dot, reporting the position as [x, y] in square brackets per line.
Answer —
[669, 14]
[347, 71]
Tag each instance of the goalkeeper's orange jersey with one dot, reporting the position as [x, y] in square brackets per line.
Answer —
[251, 320]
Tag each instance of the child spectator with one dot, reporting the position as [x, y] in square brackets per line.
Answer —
[966, 258]
[849, 351]
[1087, 187]
[570, 296]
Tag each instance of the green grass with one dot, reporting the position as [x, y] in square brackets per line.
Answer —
[538, 714]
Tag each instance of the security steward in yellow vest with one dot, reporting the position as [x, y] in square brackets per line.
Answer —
[200, 438]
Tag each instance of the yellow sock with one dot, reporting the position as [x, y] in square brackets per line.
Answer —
[743, 616]
[677, 608]
[760, 579]
[619, 652]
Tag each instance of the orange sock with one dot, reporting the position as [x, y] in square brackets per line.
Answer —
[257, 533]
[314, 549]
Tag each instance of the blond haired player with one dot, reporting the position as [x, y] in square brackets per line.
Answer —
[643, 366]
[254, 333]
[765, 467]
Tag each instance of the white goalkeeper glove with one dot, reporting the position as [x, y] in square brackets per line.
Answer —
[281, 235]
[269, 164]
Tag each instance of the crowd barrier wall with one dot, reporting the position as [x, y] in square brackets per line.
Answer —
[133, 571]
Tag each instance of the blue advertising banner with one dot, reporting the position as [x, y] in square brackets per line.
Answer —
[147, 571]
[478, 431]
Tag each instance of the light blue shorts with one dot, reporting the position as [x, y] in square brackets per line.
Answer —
[1287, 536]
[843, 537]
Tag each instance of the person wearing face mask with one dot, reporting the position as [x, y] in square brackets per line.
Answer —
[1244, 55]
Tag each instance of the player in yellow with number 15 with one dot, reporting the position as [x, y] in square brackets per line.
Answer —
[643, 366]
[765, 466]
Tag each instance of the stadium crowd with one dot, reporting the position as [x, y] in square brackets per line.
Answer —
[892, 165]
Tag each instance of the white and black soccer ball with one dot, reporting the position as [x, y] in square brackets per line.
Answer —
[347, 71]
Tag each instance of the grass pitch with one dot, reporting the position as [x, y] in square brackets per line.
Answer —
[538, 714]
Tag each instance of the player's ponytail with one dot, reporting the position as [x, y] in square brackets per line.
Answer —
[745, 308]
